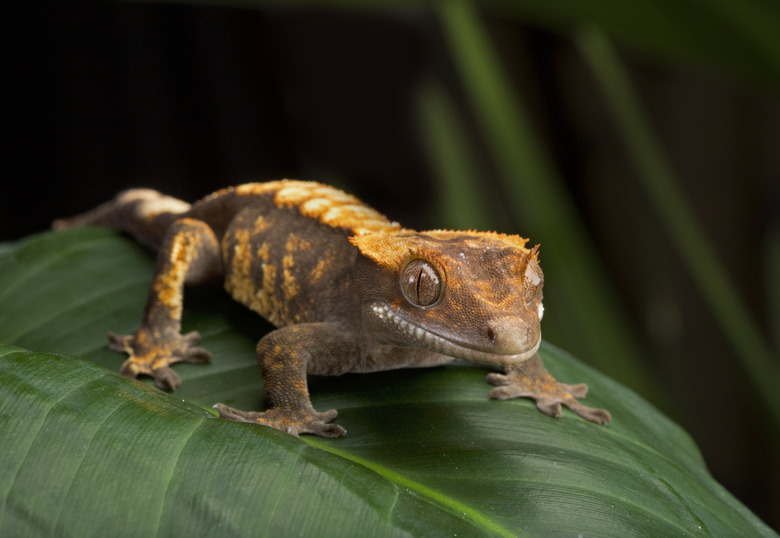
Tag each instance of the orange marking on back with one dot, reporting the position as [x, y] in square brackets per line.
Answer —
[326, 204]
[267, 304]
[297, 243]
[290, 286]
[261, 224]
[319, 270]
[239, 282]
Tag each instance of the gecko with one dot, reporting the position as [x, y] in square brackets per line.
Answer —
[346, 289]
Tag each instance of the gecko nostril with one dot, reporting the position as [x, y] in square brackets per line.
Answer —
[491, 334]
[509, 335]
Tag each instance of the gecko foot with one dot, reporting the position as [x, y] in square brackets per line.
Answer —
[292, 421]
[530, 379]
[154, 359]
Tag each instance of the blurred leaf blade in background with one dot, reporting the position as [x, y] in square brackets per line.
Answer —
[465, 201]
[659, 181]
[735, 37]
[427, 453]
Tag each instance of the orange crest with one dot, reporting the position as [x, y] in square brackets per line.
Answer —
[391, 249]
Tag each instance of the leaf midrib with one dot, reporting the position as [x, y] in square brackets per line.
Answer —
[434, 497]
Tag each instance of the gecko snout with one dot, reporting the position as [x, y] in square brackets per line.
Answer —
[510, 335]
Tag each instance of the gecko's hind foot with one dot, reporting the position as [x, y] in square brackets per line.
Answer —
[292, 421]
[154, 359]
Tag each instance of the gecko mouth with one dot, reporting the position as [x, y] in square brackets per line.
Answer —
[444, 345]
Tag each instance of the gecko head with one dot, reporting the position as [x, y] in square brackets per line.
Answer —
[470, 295]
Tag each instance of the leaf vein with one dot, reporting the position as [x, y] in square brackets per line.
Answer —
[431, 495]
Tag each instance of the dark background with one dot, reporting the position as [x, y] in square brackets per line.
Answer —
[190, 99]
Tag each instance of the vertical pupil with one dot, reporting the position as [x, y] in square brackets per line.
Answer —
[420, 283]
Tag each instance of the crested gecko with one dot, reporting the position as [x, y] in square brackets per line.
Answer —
[347, 289]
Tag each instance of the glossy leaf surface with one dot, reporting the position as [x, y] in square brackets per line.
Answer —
[86, 452]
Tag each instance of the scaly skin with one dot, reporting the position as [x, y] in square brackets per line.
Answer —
[348, 290]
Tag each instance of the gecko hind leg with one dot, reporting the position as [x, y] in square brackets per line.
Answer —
[189, 254]
[530, 379]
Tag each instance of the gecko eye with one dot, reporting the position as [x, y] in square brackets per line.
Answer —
[421, 283]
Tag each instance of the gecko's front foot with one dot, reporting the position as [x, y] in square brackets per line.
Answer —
[531, 379]
[154, 357]
[292, 421]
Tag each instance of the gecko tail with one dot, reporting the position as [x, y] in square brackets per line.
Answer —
[143, 213]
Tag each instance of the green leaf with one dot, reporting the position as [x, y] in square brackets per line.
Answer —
[84, 451]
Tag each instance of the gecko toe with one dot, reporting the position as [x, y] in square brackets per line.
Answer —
[593, 414]
[550, 408]
[330, 431]
[327, 416]
[197, 355]
[580, 390]
[131, 368]
[120, 342]
[191, 338]
[166, 379]
[236, 415]
[494, 378]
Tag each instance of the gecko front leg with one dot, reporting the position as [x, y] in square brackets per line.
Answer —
[530, 379]
[286, 356]
[189, 254]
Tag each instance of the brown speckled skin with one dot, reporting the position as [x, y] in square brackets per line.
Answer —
[348, 290]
